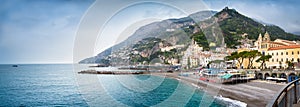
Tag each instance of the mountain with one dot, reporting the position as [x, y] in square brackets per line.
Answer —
[155, 29]
[234, 24]
[206, 27]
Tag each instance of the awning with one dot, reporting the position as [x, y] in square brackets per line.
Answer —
[226, 76]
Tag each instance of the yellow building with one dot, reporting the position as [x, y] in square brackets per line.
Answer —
[282, 54]
[280, 50]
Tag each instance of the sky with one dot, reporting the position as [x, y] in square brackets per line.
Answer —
[44, 31]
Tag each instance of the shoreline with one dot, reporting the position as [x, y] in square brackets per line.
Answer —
[255, 93]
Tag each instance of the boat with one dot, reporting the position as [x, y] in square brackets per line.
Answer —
[208, 73]
[14, 65]
[100, 65]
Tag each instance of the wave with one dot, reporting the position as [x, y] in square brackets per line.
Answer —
[229, 102]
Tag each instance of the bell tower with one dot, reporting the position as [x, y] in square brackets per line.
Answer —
[267, 37]
[258, 42]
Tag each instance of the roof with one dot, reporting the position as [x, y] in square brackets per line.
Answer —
[284, 47]
[286, 41]
[226, 76]
[277, 43]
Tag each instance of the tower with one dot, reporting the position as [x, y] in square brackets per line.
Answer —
[259, 38]
[258, 42]
[267, 37]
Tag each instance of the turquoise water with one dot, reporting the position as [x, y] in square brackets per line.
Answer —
[57, 85]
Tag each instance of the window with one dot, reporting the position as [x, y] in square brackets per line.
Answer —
[272, 60]
[281, 53]
[272, 54]
[292, 52]
[292, 59]
[287, 59]
[277, 53]
[277, 60]
[298, 52]
[298, 60]
[281, 59]
[287, 53]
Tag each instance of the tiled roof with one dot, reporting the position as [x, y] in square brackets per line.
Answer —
[285, 47]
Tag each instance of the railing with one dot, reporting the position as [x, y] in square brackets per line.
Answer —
[289, 95]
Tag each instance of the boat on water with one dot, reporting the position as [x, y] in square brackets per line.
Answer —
[99, 65]
[14, 65]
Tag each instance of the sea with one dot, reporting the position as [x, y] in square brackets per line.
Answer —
[61, 85]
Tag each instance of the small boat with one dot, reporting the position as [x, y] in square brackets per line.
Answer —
[99, 65]
[14, 65]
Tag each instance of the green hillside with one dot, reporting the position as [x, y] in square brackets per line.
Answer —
[234, 24]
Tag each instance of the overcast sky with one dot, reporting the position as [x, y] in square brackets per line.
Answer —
[43, 31]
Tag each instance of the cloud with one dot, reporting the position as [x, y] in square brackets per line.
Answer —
[44, 30]
[39, 30]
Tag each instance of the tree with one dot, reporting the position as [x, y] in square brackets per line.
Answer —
[201, 40]
[263, 59]
[280, 64]
[233, 56]
[251, 55]
[241, 56]
[290, 64]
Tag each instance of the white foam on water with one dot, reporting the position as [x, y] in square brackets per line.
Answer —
[196, 86]
[230, 102]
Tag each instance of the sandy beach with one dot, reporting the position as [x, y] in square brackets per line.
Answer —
[255, 93]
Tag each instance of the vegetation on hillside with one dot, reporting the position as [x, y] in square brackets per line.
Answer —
[201, 40]
[149, 46]
[234, 25]
[231, 23]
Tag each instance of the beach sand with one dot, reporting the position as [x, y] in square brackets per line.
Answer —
[255, 93]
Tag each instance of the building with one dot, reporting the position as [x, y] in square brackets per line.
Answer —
[280, 50]
[282, 54]
[194, 56]
[191, 57]
[169, 48]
